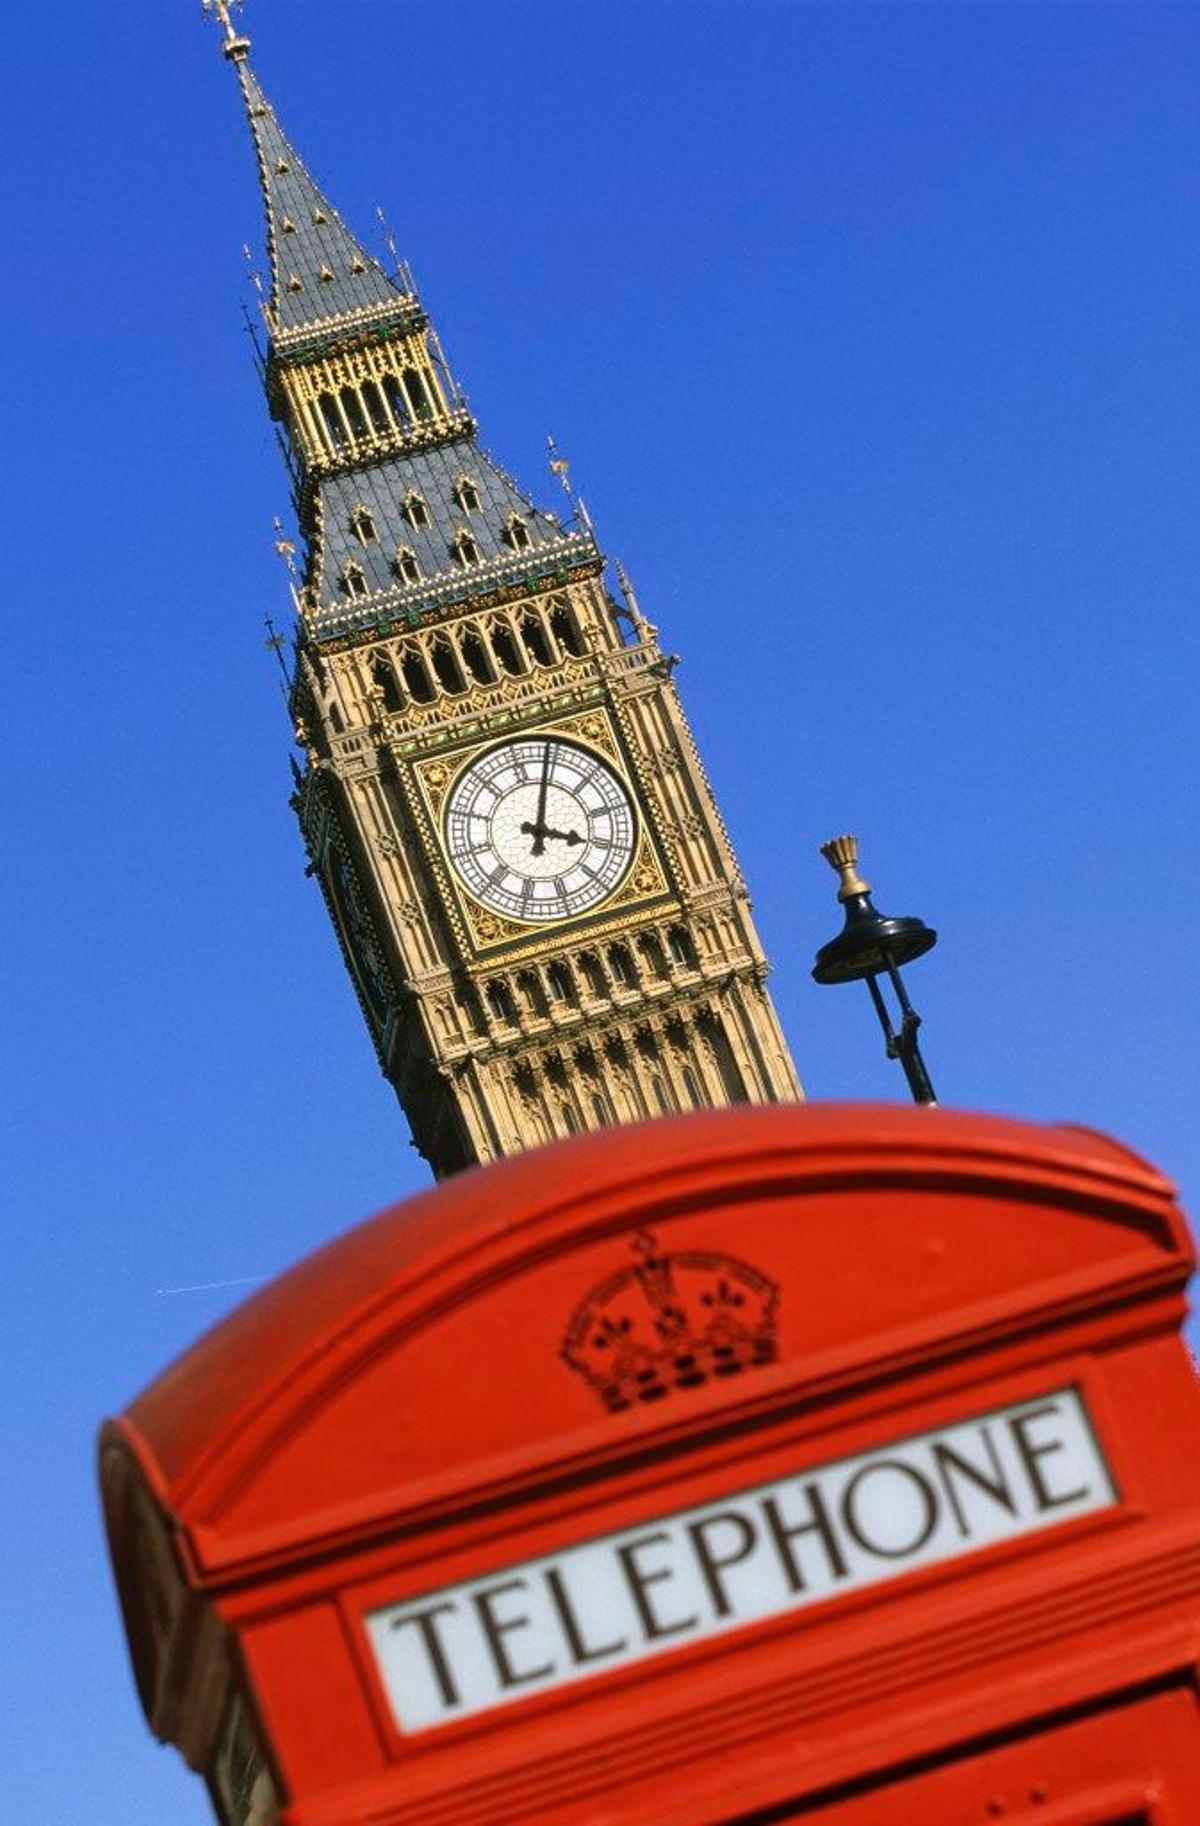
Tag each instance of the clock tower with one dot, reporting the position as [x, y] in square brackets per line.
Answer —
[529, 878]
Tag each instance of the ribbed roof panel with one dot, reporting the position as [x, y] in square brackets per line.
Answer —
[319, 270]
[435, 476]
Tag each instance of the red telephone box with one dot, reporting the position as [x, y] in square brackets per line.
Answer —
[826, 1463]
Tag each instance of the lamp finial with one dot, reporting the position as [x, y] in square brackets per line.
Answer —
[841, 853]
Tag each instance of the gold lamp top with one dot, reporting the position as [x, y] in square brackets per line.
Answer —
[841, 853]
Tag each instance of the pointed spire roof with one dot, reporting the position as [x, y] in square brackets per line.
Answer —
[318, 268]
[320, 272]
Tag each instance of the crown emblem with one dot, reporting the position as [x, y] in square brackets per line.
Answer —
[671, 1320]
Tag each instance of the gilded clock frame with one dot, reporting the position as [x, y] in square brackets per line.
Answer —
[485, 935]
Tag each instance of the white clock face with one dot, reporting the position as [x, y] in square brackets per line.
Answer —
[540, 829]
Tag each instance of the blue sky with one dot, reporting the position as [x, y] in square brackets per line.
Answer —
[870, 332]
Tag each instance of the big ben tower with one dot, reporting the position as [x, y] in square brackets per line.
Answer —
[528, 875]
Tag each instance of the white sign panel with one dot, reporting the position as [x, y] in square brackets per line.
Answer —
[753, 1554]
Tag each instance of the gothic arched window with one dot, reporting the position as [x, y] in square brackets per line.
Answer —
[376, 410]
[560, 984]
[593, 974]
[506, 650]
[416, 680]
[415, 510]
[332, 420]
[536, 643]
[651, 950]
[621, 965]
[500, 1001]
[516, 533]
[531, 990]
[445, 664]
[395, 399]
[465, 550]
[362, 525]
[681, 947]
[467, 495]
[565, 631]
[385, 680]
[418, 393]
[352, 407]
[407, 565]
[475, 658]
[353, 581]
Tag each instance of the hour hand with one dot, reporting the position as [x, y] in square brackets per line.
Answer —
[540, 832]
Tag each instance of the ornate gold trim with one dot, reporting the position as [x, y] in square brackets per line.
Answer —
[478, 928]
[644, 881]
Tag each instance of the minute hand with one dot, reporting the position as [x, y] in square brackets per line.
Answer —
[538, 828]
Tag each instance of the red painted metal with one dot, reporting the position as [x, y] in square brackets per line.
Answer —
[426, 1400]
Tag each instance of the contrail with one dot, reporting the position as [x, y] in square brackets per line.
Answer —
[243, 1280]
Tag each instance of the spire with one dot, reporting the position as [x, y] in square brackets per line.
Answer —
[319, 271]
[236, 47]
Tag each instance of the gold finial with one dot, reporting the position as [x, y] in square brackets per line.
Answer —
[389, 239]
[286, 548]
[841, 853]
[645, 630]
[235, 47]
[255, 276]
[559, 465]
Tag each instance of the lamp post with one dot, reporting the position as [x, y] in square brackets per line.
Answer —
[871, 945]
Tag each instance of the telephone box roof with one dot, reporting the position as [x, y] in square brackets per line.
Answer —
[462, 1294]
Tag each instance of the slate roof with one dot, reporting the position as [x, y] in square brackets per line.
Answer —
[434, 475]
[318, 268]
[322, 276]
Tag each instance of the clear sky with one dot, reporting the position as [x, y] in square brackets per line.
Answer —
[870, 331]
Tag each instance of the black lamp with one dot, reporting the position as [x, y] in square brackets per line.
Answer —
[871, 945]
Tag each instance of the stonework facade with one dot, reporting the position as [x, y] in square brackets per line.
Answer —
[461, 660]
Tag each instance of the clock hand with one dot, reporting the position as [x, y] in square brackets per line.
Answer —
[537, 830]
[541, 831]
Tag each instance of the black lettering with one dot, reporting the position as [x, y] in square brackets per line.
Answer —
[710, 1564]
[496, 1628]
[949, 1461]
[784, 1533]
[580, 1652]
[1031, 1452]
[853, 1522]
[638, 1581]
[433, 1646]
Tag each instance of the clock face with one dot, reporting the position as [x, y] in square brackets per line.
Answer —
[540, 829]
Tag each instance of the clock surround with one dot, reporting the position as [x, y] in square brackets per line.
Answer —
[540, 828]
